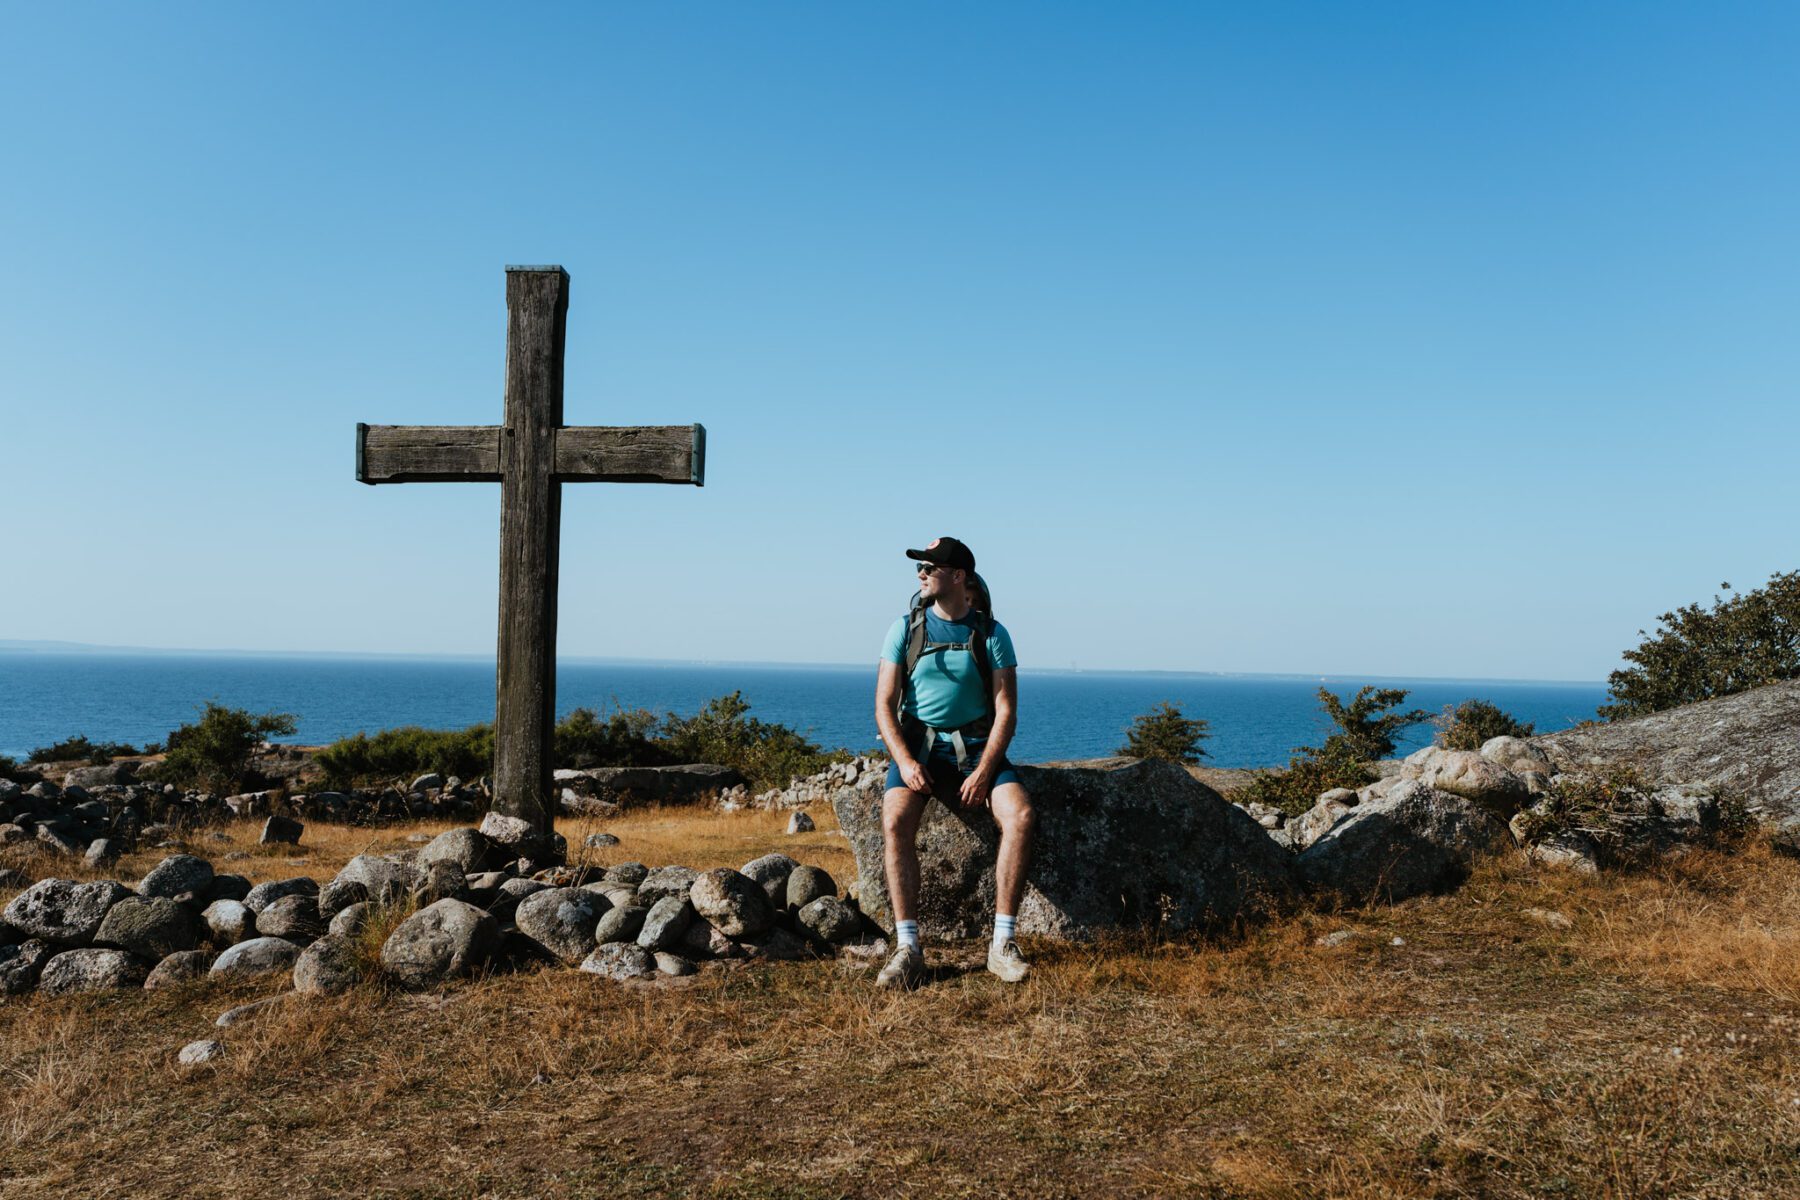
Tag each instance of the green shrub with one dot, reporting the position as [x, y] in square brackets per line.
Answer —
[1365, 732]
[1469, 725]
[8, 767]
[765, 754]
[1163, 733]
[78, 747]
[406, 753]
[1297, 787]
[1741, 642]
[214, 752]
[624, 739]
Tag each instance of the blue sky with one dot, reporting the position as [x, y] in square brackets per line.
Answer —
[1404, 339]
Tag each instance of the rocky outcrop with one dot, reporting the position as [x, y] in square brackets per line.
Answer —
[1744, 744]
[1119, 844]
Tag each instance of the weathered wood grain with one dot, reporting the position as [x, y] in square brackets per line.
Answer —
[428, 453]
[631, 454]
[537, 304]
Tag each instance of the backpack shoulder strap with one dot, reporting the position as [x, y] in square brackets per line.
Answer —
[981, 646]
[915, 639]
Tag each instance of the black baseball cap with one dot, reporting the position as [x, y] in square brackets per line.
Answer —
[946, 552]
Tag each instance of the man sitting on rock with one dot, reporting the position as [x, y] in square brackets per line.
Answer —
[947, 721]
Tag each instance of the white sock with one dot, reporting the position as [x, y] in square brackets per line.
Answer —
[907, 933]
[1003, 929]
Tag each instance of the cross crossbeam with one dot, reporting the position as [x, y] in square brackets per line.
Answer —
[531, 456]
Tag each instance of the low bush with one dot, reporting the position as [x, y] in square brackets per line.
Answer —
[1164, 733]
[1471, 724]
[626, 738]
[214, 752]
[766, 754]
[405, 753]
[723, 732]
[79, 748]
[1365, 732]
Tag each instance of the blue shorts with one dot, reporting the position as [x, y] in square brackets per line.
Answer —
[941, 766]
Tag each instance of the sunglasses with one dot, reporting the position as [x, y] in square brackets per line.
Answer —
[925, 568]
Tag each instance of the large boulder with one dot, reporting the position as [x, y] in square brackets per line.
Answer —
[258, 956]
[1411, 841]
[665, 881]
[383, 880]
[666, 923]
[446, 939]
[177, 875]
[91, 970]
[1474, 777]
[1742, 744]
[295, 918]
[151, 928]
[328, 966]
[518, 838]
[265, 894]
[733, 902]
[467, 848]
[772, 871]
[1119, 843]
[108, 774]
[561, 921]
[1516, 754]
[62, 911]
[229, 922]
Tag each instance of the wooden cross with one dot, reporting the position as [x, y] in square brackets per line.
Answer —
[531, 457]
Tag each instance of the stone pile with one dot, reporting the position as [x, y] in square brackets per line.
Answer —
[600, 791]
[1419, 826]
[483, 899]
[820, 788]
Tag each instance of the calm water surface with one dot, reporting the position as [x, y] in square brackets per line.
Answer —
[1256, 721]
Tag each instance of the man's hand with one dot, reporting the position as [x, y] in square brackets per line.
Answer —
[977, 786]
[916, 778]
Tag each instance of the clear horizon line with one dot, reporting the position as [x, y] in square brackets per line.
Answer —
[31, 646]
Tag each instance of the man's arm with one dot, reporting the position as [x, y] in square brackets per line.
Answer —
[887, 703]
[1006, 719]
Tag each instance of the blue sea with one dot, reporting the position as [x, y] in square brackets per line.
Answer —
[138, 697]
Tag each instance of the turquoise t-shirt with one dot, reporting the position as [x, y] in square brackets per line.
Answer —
[946, 691]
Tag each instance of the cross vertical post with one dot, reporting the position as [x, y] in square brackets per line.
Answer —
[537, 305]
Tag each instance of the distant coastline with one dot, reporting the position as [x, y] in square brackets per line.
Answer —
[29, 647]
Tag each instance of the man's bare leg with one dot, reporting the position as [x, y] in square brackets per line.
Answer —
[1016, 818]
[901, 810]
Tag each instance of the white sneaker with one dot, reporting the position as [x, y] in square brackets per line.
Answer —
[905, 970]
[1005, 961]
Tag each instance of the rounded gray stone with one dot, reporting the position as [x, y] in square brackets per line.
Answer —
[350, 921]
[91, 970]
[335, 897]
[295, 918]
[561, 921]
[20, 965]
[831, 919]
[666, 923]
[469, 849]
[62, 911]
[229, 922]
[806, 884]
[619, 961]
[448, 938]
[150, 928]
[177, 875]
[621, 924]
[665, 881]
[328, 966]
[771, 871]
[184, 966]
[204, 1051]
[673, 964]
[258, 956]
[732, 901]
[265, 894]
[632, 873]
[384, 880]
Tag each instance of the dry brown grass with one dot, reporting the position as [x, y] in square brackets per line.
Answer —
[1647, 1051]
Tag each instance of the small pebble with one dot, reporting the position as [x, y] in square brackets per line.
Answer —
[201, 1052]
